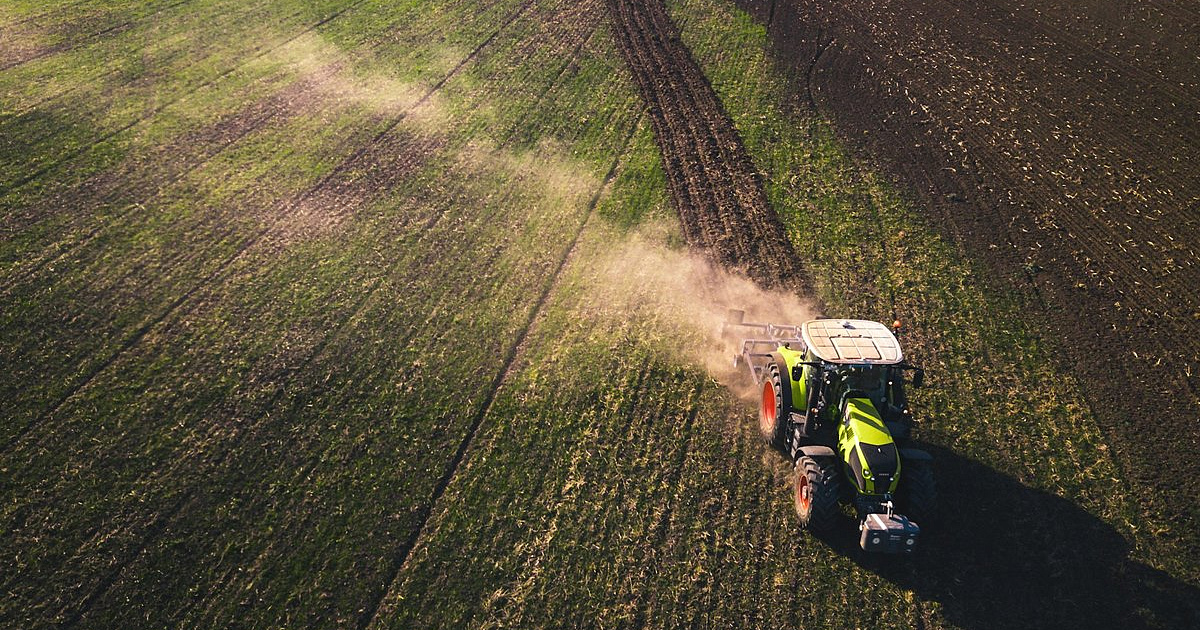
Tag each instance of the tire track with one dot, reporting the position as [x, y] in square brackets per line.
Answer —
[84, 40]
[717, 193]
[178, 160]
[372, 611]
[159, 524]
[87, 146]
[224, 266]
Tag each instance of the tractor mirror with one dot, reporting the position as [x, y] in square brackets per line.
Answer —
[919, 378]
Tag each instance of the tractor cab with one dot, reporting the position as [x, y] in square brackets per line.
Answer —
[857, 359]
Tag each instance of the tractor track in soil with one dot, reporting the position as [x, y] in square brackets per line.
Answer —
[1053, 146]
[502, 376]
[160, 522]
[714, 186]
[355, 160]
[64, 159]
[86, 38]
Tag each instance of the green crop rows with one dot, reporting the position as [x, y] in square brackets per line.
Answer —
[309, 321]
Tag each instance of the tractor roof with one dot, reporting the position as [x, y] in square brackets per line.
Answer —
[852, 341]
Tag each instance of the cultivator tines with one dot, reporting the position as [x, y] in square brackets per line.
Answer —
[754, 352]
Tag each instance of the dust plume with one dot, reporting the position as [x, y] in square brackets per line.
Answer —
[690, 297]
[340, 81]
[546, 170]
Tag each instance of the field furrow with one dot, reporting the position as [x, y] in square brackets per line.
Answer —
[186, 238]
[718, 198]
[1052, 142]
[375, 314]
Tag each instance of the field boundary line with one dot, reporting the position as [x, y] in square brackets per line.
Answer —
[502, 375]
[225, 265]
[22, 181]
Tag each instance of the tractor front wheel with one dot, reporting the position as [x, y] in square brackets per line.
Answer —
[774, 408]
[816, 493]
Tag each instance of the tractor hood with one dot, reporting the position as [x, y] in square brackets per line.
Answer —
[867, 448]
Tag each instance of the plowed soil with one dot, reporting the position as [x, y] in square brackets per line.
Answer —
[715, 189]
[1057, 143]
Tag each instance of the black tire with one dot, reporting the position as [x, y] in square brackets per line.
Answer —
[775, 406]
[815, 493]
[917, 494]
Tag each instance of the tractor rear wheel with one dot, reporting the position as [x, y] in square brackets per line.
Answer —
[773, 412]
[816, 493]
[917, 494]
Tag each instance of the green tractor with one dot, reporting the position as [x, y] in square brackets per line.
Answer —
[833, 401]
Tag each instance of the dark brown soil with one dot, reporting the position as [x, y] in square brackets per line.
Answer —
[1004, 555]
[713, 183]
[1057, 143]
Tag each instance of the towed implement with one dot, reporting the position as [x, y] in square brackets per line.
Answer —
[833, 400]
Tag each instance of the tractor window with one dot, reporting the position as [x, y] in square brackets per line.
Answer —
[869, 379]
[897, 396]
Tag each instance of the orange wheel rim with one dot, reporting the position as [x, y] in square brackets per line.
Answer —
[767, 417]
[803, 493]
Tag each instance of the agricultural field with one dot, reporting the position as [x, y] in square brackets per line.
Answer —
[364, 314]
[1056, 142]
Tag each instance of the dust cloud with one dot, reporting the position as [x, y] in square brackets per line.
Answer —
[691, 298]
[546, 170]
[333, 75]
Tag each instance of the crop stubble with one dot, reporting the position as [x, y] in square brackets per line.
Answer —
[219, 446]
[307, 474]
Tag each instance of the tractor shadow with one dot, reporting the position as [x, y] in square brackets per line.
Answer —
[1002, 555]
